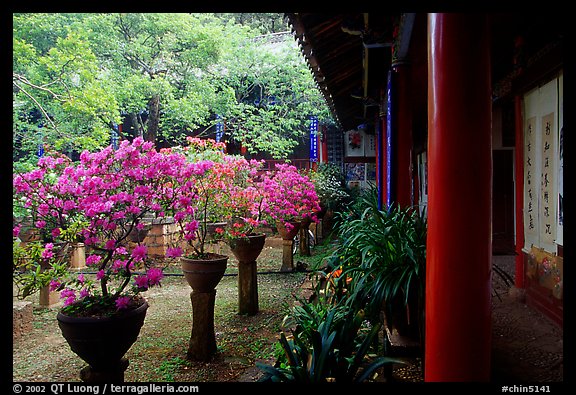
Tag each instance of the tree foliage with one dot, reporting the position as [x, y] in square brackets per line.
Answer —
[164, 76]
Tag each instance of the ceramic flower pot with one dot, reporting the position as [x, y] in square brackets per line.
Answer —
[285, 233]
[247, 249]
[203, 275]
[102, 341]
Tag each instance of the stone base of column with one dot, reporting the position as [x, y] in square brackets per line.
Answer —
[247, 288]
[202, 344]
[287, 258]
[115, 375]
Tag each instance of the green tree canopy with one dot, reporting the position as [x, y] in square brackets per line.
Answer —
[75, 76]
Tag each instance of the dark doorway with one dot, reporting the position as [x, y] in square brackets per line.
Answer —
[503, 202]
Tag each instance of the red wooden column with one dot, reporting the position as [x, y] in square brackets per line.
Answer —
[459, 250]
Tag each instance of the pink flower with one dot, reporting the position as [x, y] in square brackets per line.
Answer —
[123, 302]
[40, 224]
[47, 253]
[93, 260]
[16, 231]
[154, 276]
[69, 296]
[139, 252]
[100, 275]
[173, 252]
[84, 292]
[110, 245]
[69, 300]
[141, 282]
[55, 232]
[81, 278]
[54, 285]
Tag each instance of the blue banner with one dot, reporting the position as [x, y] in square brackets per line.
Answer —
[313, 139]
[219, 129]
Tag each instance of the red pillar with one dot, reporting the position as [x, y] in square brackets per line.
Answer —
[323, 144]
[403, 135]
[459, 247]
[519, 184]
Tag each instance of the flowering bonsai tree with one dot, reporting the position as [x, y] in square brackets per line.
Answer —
[113, 191]
[225, 192]
[203, 179]
[47, 199]
[290, 196]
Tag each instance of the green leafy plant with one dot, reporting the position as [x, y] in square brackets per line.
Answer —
[330, 186]
[35, 264]
[329, 342]
[382, 256]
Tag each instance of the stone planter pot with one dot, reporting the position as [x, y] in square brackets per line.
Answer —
[102, 342]
[287, 243]
[285, 233]
[203, 275]
[246, 250]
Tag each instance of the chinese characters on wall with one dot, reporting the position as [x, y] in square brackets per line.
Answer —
[543, 222]
[530, 179]
[548, 181]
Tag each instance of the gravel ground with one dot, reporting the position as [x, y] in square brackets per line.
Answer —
[527, 347]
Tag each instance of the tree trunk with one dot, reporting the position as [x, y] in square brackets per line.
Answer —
[153, 121]
[136, 125]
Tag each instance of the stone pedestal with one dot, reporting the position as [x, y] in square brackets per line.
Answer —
[114, 375]
[304, 246]
[21, 318]
[247, 288]
[202, 344]
[287, 258]
[78, 260]
[48, 298]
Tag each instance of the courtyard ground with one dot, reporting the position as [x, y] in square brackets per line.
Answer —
[527, 347]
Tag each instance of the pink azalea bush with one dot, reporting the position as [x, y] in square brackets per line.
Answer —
[113, 191]
[290, 196]
[48, 196]
[225, 193]
[246, 202]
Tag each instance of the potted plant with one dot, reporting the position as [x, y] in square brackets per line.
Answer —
[290, 199]
[205, 182]
[245, 241]
[216, 182]
[113, 190]
[382, 256]
[291, 196]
